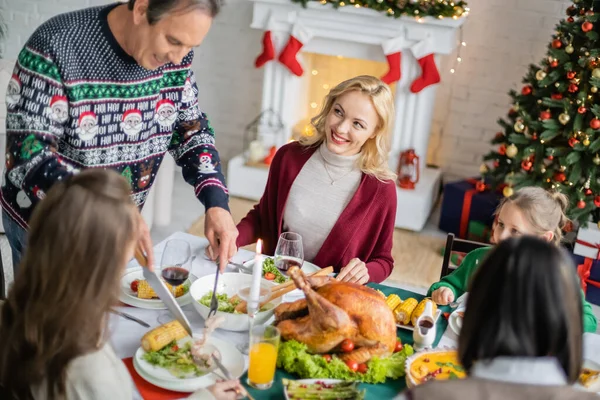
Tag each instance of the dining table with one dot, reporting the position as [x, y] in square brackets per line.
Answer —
[125, 335]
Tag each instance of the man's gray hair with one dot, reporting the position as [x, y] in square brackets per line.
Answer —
[159, 8]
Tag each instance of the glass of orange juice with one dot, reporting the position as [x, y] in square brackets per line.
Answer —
[264, 342]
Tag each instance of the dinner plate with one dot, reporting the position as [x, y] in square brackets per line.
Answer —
[310, 382]
[231, 358]
[412, 328]
[128, 297]
[595, 388]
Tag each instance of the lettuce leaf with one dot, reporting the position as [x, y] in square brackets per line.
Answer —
[269, 266]
[294, 358]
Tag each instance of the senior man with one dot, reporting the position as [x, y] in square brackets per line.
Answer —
[112, 87]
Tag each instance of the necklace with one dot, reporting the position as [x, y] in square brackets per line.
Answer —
[333, 181]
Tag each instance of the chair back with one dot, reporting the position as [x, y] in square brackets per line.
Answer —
[454, 244]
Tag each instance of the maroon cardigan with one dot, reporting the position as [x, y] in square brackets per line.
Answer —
[364, 229]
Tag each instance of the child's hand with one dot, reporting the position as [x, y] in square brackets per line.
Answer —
[443, 296]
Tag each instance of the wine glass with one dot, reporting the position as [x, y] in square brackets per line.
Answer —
[252, 309]
[289, 252]
[175, 265]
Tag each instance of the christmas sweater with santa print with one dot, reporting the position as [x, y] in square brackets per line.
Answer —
[76, 100]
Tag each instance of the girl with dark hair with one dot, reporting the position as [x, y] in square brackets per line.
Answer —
[521, 337]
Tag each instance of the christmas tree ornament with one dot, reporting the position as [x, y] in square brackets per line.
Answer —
[556, 44]
[581, 204]
[595, 123]
[556, 96]
[587, 53]
[553, 63]
[581, 110]
[586, 142]
[511, 151]
[423, 52]
[539, 101]
[562, 168]
[571, 11]
[560, 177]
[588, 192]
[480, 186]
[483, 169]
[594, 89]
[597, 201]
[557, 84]
[519, 126]
[502, 150]
[573, 141]
[573, 88]
[589, 12]
[526, 164]
[571, 74]
[499, 136]
[526, 91]
[543, 170]
[298, 38]
[569, 49]
[596, 160]
[596, 72]
[564, 118]
[541, 74]
[392, 49]
[587, 26]
[507, 191]
[550, 157]
[544, 115]
[569, 20]
[496, 163]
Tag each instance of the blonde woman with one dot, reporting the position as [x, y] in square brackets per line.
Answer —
[335, 188]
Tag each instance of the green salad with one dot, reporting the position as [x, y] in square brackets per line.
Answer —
[271, 271]
[177, 360]
[228, 304]
[321, 390]
[294, 358]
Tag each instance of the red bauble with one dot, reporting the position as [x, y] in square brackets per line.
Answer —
[550, 158]
[568, 227]
[480, 186]
[571, 74]
[570, 20]
[496, 164]
[587, 26]
[526, 91]
[582, 12]
[588, 191]
[499, 135]
[544, 115]
[581, 110]
[556, 96]
[512, 112]
[571, 11]
[581, 204]
[589, 12]
[553, 63]
[526, 165]
[502, 150]
[597, 201]
[595, 123]
[573, 88]
[560, 177]
[556, 43]
[534, 136]
[573, 142]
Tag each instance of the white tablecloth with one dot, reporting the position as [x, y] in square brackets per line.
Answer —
[126, 335]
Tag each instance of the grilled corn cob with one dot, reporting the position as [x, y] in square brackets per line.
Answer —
[145, 291]
[420, 308]
[161, 336]
[405, 310]
[393, 301]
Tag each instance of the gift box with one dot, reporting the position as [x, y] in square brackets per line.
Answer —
[463, 203]
[479, 232]
[587, 258]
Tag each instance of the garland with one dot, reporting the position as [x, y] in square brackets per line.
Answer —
[397, 8]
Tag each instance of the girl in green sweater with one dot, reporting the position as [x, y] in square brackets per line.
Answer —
[530, 211]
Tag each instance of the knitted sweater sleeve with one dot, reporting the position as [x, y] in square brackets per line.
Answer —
[193, 148]
[37, 111]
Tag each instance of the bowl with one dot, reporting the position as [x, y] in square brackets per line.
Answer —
[230, 283]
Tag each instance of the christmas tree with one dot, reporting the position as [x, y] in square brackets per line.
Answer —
[551, 137]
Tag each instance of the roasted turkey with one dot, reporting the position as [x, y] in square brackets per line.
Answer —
[333, 311]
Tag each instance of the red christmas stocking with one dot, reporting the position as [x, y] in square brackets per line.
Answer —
[268, 52]
[299, 37]
[423, 52]
[393, 52]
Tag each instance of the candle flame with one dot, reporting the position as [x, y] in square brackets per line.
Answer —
[259, 246]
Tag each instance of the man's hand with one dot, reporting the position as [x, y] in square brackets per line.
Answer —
[221, 233]
[356, 272]
[442, 296]
[145, 242]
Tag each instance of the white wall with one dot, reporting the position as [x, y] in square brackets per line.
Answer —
[503, 37]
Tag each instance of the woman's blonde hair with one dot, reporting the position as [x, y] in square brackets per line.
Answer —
[544, 210]
[78, 242]
[374, 154]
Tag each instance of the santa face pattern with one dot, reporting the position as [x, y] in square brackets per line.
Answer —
[101, 110]
[13, 92]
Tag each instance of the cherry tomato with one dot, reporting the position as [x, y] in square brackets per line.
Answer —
[347, 345]
[269, 276]
[327, 357]
[398, 347]
[353, 365]
[134, 286]
[175, 347]
[362, 368]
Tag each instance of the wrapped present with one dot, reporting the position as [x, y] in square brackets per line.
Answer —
[463, 202]
[587, 258]
[479, 232]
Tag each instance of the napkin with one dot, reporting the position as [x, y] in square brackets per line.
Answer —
[147, 390]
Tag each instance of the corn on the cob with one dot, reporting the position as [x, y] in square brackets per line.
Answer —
[145, 291]
[420, 308]
[393, 301]
[161, 336]
[404, 310]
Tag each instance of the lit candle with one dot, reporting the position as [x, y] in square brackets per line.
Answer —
[256, 276]
[256, 151]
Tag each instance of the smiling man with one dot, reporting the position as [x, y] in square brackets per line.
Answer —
[112, 87]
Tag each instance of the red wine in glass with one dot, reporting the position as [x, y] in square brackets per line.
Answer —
[175, 276]
[283, 264]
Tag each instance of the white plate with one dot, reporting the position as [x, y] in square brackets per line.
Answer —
[455, 321]
[412, 328]
[307, 268]
[231, 358]
[310, 382]
[595, 388]
[127, 296]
